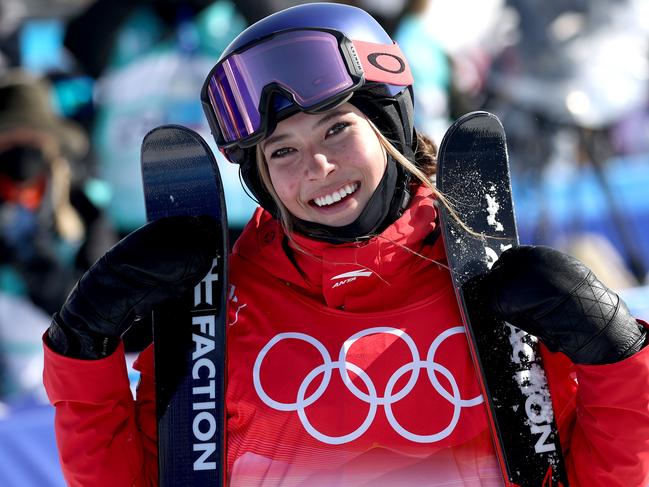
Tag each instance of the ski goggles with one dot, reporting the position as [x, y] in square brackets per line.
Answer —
[312, 70]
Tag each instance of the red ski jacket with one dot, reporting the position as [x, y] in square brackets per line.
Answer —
[348, 366]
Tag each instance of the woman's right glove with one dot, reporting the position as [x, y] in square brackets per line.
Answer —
[153, 264]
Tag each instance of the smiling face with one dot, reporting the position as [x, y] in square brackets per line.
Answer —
[325, 167]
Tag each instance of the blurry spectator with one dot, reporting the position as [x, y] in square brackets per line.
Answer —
[49, 229]
[150, 60]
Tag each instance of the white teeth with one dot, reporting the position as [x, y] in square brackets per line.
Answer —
[336, 195]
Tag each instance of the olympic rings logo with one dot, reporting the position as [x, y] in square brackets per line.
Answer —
[372, 398]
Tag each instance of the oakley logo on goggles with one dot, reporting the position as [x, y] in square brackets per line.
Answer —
[314, 69]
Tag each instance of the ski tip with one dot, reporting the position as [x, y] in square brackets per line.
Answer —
[479, 114]
[171, 129]
[469, 127]
[169, 136]
[477, 118]
[175, 134]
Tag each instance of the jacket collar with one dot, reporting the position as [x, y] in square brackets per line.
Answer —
[355, 273]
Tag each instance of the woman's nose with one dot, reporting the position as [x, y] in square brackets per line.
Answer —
[318, 166]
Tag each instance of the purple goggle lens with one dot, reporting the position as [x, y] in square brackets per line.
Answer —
[315, 72]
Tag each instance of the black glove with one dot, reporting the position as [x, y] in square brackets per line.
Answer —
[555, 297]
[156, 262]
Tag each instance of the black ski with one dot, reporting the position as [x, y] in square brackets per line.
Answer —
[473, 175]
[181, 177]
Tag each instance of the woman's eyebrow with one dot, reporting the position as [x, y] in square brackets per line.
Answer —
[321, 121]
[273, 138]
[329, 116]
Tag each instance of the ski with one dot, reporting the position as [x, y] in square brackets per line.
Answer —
[473, 175]
[181, 177]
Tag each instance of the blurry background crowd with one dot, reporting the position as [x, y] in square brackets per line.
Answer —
[82, 81]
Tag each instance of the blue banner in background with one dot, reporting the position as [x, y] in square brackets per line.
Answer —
[28, 455]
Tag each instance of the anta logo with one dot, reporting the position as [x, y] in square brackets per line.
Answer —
[348, 277]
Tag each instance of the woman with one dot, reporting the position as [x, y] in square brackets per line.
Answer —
[338, 281]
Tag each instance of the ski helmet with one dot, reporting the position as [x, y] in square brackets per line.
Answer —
[308, 58]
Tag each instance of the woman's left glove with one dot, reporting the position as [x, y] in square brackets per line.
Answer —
[555, 297]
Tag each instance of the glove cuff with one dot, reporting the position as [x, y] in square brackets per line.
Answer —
[641, 342]
[73, 343]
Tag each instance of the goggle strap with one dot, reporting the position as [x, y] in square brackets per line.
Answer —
[383, 63]
[406, 108]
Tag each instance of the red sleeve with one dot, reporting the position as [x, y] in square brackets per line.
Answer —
[104, 437]
[604, 427]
